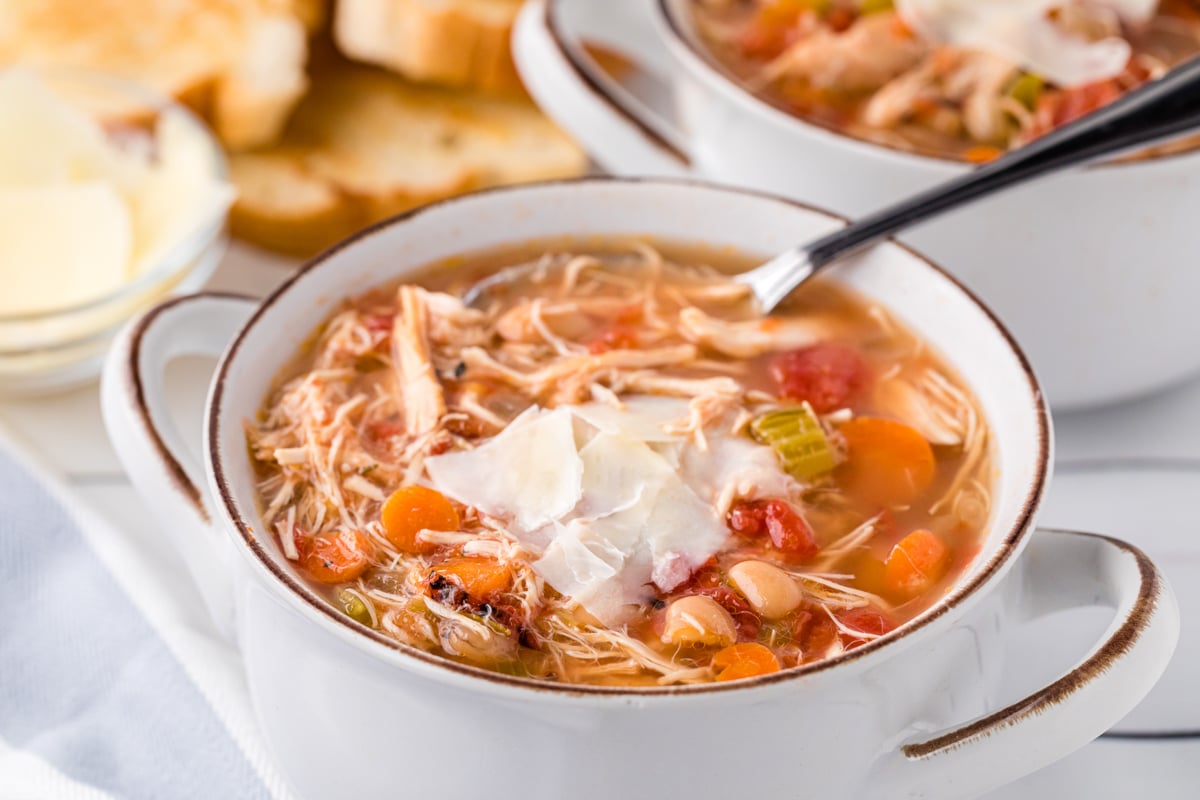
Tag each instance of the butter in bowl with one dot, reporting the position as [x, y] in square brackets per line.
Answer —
[110, 197]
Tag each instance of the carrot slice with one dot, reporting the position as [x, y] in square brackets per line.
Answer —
[412, 509]
[480, 578]
[889, 463]
[337, 557]
[745, 660]
[982, 153]
[915, 564]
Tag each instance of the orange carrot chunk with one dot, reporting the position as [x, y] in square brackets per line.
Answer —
[916, 563]
[889, 464]
[745, 660]
[337, 557]
[412, 509]
[981, 154]
[480, 578]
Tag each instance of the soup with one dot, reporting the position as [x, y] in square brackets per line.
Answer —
[965, 79]
[619, 473]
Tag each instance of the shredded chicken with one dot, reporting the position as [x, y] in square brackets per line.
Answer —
[974, 81]
[416, 379]
[390, 384]
[749, 338]
[865, 56]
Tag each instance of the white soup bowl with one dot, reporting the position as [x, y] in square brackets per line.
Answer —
[351, 713]
[1091, 269]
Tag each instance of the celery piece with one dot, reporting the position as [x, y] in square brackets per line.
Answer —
[354, 607]
[1026, 90]
[796, 436]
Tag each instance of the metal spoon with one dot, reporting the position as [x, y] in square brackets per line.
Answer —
[1156, 111]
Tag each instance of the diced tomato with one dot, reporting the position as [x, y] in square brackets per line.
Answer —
[916, 563]
[705, 576]
[789, 532]
[412, 509]
[828, 376]
[336, 557]
[1068, 105]
[888, 463]
[815, 632]
[746, 660]
[748, 623]
[748, 519]
[867, 620]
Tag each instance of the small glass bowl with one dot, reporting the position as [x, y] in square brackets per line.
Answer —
[49, 351]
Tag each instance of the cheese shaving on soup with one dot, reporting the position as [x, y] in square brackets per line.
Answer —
[1030, 33]
[631, 517]
[619, 473]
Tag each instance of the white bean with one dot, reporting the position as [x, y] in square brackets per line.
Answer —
[698, 620]
[770, 591]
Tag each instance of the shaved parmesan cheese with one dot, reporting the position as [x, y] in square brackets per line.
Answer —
[643, 416]
[617, 471]
[611, 505]
[607, 561]
[582, 565]
[530, 472]
[43, 268]
[44, 141]
[735, 467]
[84, 210]
[177, 197]
[1025, 32]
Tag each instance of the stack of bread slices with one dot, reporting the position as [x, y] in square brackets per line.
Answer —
[336, 113]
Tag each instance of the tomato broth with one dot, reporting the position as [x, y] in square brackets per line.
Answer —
[618, 472]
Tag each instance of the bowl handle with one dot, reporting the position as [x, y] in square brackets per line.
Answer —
[1061, 570]
[614, 126]
[163, 462]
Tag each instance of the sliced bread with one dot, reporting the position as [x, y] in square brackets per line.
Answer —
[459, 43]
[239, 63]
[365, 144]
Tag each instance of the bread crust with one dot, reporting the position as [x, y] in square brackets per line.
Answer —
[459, 43]
[365, 144]
[238, 63]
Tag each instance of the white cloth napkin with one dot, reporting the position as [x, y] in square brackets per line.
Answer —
[113, 684]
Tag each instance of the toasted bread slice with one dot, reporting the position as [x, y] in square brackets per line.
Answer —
[240, 63]
[365, 144]
[459, 43]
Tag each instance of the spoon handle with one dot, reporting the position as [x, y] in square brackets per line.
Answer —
[1153, 112]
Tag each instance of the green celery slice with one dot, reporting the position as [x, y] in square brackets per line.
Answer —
[1027, 89]
[354, 607]
[796, 436]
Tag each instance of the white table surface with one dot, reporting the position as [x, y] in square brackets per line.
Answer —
[1160, 437]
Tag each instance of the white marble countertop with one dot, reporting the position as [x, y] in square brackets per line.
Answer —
[1156, 441]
